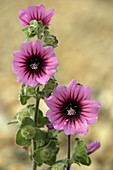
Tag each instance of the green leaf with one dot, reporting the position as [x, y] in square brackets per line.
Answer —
[28, 132]
[59, 165]
[26, 93]
[20, 140]
[27, 121]
[42, 120]
[40, 135]
[49, 40]
[80, 155]
[47, 154]
[27, 111]
[43, 138]
[50, 87]
[53, 133]
[23, 99]
[25, 30]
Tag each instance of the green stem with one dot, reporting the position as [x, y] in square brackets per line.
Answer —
[36, 124]
[68, 153]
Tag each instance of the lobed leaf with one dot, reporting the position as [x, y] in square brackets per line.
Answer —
[20, 140]
[80, 155]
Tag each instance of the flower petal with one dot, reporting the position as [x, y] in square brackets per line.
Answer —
[48, 17]
[57, 98]
[23, 17]
[76, 126]
[84, 93]
[57, 119]
[26, 49]
[37, 48]
[36, 13]
[90, 110]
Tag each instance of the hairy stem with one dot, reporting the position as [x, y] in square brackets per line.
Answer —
[35, 124]
[68, 151]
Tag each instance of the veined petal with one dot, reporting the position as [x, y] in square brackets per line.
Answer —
[48, 17]
[23, 17]
[26, 48]
[36, 13]
[90, 104]
[84, 93]
[57, 119]
[90, 117]
[77, 126]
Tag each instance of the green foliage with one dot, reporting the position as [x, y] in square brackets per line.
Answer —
[47, 147]
[59, 165]
[42, 120]
[49, 87]
[40, 135]
[26, 93]
[42, 32]
[49, 40]
[26, 132]
[80, 155]
[27, 111]
[31, 31]
[53, 133]
[20, 140]
[35, 28]
[47, 154]
[42, 138]
[27, 121]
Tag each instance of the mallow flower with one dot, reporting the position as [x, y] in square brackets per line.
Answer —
[37, 13]
[71, 108]
[92, 147]
[34, 64]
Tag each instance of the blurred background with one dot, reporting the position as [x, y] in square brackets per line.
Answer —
[84, 29]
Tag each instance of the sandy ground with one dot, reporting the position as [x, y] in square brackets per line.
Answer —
[85, 52]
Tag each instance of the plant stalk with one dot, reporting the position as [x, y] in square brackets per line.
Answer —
[35, 125]
[68, 151]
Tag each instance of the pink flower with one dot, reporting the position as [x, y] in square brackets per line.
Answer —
[92, 147]
[35, 13]
[71, 108]
[34, 63]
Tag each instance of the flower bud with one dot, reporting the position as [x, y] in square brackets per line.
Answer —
[50, 126]
[92, 147]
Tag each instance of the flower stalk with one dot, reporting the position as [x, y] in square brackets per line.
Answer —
[35, 125]
[68, 151]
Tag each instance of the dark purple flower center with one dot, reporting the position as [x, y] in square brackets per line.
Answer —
[72, 110]
[34, 63]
